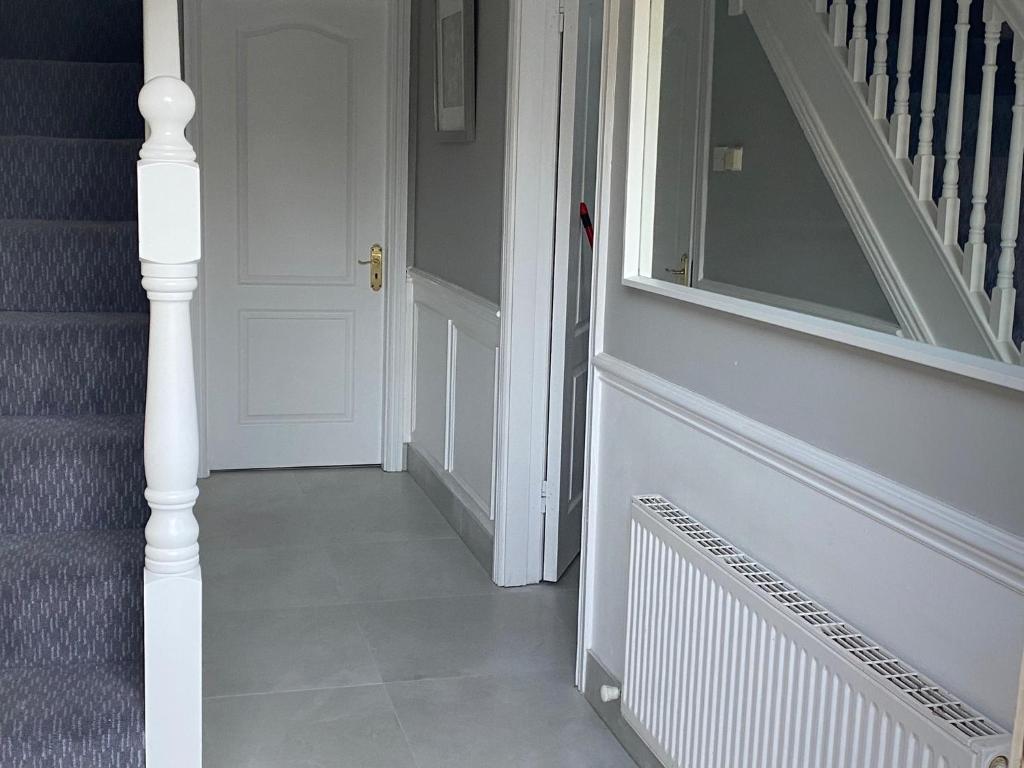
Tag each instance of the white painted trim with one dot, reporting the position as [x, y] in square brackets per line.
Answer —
[948, 360]
[527, 259]
[910, 318]
[396, 227]
[964, 539]
[599, 276]
[800, 305]
[468, 316]
[454, 301]
[192, 47]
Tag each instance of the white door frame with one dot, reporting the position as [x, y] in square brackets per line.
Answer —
[395, 236]
[531, 150]
[397, 357]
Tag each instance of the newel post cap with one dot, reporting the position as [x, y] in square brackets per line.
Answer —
[168, 105]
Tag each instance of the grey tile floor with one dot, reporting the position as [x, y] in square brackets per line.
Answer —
[347, 626]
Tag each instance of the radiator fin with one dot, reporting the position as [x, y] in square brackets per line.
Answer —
[729, 665]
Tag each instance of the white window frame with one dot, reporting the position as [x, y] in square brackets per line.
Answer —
[638, 235]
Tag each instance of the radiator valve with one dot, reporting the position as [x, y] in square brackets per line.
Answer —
[610, 693]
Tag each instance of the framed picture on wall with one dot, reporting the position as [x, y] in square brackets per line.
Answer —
[455, 69]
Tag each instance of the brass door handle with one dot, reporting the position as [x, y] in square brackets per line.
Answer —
[683, 273]
[376, 262]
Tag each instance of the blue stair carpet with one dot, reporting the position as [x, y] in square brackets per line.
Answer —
[73, 345]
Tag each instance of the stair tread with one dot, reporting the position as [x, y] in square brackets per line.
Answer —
[99, 30]
[63, 178]
[73, 318]
[72, 715]
[73, 362]
[71, 554]
[70, 266]
[71, 597]
[70, 99]
[71, 472]
[68, 425]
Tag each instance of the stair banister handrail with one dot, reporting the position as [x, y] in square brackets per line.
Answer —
[169, 251]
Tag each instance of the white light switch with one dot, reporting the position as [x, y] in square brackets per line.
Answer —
[727, 160]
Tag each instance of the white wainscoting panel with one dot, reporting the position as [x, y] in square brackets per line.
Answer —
[938, 587]
[430, 381]
[455, 345]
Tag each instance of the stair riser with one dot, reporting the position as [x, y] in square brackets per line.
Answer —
[97, 30]
[72, 481]
[70, 268]
[71, 369]
[68, 179]
[52, 98]
[71, 621]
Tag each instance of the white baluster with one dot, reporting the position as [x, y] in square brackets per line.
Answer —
[838, 21]
[878, 89]
[924, 163]
[899, 128]
[1003, 295]
[949, 204]
[169, 249]
[976, 250]
[857, 56]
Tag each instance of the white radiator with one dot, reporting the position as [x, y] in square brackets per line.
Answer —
[727, 666]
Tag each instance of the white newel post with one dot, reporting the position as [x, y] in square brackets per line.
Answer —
[169, 249]
[1003, 294]
[949, 204]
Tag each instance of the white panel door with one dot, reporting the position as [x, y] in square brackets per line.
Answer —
[570, 326]
[293, 150]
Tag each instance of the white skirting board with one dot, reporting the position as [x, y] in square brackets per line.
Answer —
[937, 586]
[454, 356]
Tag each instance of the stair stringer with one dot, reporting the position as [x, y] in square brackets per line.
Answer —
[919, 275]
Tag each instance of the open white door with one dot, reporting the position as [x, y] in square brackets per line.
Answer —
[570, 322]
[294, 149]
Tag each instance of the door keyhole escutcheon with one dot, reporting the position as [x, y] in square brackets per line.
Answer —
[376, 262]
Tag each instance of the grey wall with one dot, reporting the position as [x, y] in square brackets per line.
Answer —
[458, 188]
[955, 439]
[775, 226]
